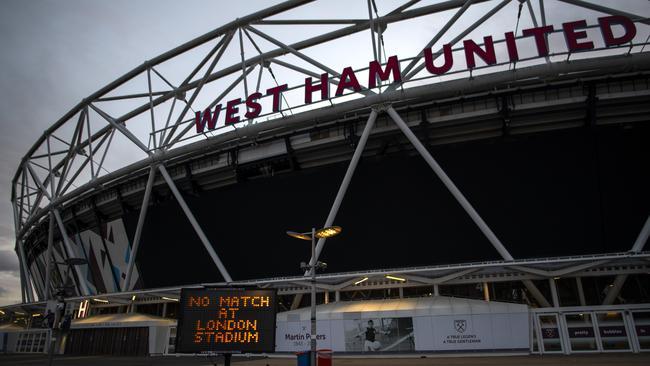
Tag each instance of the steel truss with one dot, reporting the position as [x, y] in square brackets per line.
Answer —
[70, 159]
[536, 269]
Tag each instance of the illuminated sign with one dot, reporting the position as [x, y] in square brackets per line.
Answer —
[226, 321]
[84, 306]
[616, 30]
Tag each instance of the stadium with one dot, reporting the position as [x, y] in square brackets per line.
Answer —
[495, 175]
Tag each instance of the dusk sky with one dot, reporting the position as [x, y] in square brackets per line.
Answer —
[55, 53]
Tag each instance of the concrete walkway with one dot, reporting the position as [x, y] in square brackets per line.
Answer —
[583, 360]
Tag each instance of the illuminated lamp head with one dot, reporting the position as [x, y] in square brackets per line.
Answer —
[328, 232]
[300, 236]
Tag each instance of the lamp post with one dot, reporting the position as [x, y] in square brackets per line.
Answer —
[326, 232]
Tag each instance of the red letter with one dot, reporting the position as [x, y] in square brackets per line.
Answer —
[572, 37]
[608, 35]
[276, 92]
[512, 47]
[323, 87]
[449, 60]
[208, 117]
[539, 33]
[375, 71]
[353, 83]
[488, 55]
[254, 108]
[230, 110]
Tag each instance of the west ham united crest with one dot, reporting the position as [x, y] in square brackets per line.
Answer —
[460, 325]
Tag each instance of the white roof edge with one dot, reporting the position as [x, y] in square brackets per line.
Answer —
[437, 305]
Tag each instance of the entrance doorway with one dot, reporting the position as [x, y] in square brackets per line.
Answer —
[591, 329]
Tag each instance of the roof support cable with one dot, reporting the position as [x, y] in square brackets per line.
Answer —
[276, 84]
[644, 43]
[521, 6]
[380, 32]
[268, 66]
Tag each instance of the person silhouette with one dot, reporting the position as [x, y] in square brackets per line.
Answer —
[371, 343]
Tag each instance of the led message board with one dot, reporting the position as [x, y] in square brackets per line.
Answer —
[226, 321]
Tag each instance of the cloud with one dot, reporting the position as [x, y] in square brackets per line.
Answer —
[8, 261]
[9, 288]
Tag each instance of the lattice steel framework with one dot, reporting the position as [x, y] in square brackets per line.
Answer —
[151, 117]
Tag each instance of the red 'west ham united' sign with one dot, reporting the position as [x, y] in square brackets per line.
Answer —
[574, 34]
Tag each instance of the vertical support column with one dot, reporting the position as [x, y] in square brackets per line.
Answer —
[153, 119]
[164, 310]
[327, 297]
[556, 299]
[243, 62]
[17, 220]
[401, 292]
[48, 257]
[102, 235]
[23, 282]
[542, 11]
[596, 326]
[531, 337]
[68, 246]
[195, 224]
[372, 32]
[313, 299]
[628, 320]
[29, 292]
[436, 290]
[337, 296]
[138, 229]
[486, 291]
[50, 234]
[90, 145]
[564, 333]
[581, 292]
[346, 180]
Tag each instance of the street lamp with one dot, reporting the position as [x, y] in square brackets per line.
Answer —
[324, 233]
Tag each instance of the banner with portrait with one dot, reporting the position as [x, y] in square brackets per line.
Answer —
[459, 332]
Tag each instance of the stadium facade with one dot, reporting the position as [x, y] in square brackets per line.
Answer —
[508, 189]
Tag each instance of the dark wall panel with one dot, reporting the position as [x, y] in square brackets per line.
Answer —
[579, 191]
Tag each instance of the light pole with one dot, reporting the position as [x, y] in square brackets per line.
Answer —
[326, 232]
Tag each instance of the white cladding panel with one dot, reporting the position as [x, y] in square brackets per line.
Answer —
[425, 324]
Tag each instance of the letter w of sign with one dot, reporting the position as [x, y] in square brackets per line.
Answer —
[201, 118]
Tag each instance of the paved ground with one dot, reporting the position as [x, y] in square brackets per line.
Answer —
[583, 360]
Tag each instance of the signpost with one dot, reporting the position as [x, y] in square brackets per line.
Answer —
[226, 321]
